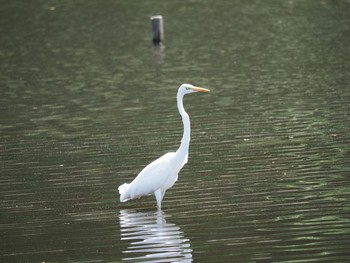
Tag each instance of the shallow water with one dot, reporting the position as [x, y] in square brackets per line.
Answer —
[86, 102]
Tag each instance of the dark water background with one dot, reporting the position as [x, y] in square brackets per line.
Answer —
[86, 102]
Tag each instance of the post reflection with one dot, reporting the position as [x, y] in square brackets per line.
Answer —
[158, 53]
[152, 239]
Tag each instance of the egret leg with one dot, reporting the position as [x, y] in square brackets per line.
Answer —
[159, 196]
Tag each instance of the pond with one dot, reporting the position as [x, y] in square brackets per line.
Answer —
[87, 101]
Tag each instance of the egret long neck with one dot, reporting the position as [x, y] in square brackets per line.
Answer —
[182, 152]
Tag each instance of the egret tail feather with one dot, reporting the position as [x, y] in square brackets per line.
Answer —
[122, 191]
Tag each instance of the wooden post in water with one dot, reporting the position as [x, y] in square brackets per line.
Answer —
[157, 29]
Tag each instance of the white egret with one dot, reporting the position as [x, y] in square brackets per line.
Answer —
[161, 174]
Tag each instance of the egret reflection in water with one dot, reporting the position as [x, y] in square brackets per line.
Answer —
[152, 239]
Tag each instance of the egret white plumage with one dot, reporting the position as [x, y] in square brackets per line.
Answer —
[161, 174]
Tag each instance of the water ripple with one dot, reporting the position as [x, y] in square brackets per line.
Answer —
[152, 239]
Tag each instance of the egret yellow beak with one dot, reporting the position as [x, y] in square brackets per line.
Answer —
[200, 89]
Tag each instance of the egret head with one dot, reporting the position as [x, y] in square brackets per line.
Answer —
[188, 88]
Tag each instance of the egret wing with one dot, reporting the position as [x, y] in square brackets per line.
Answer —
[152, 177]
